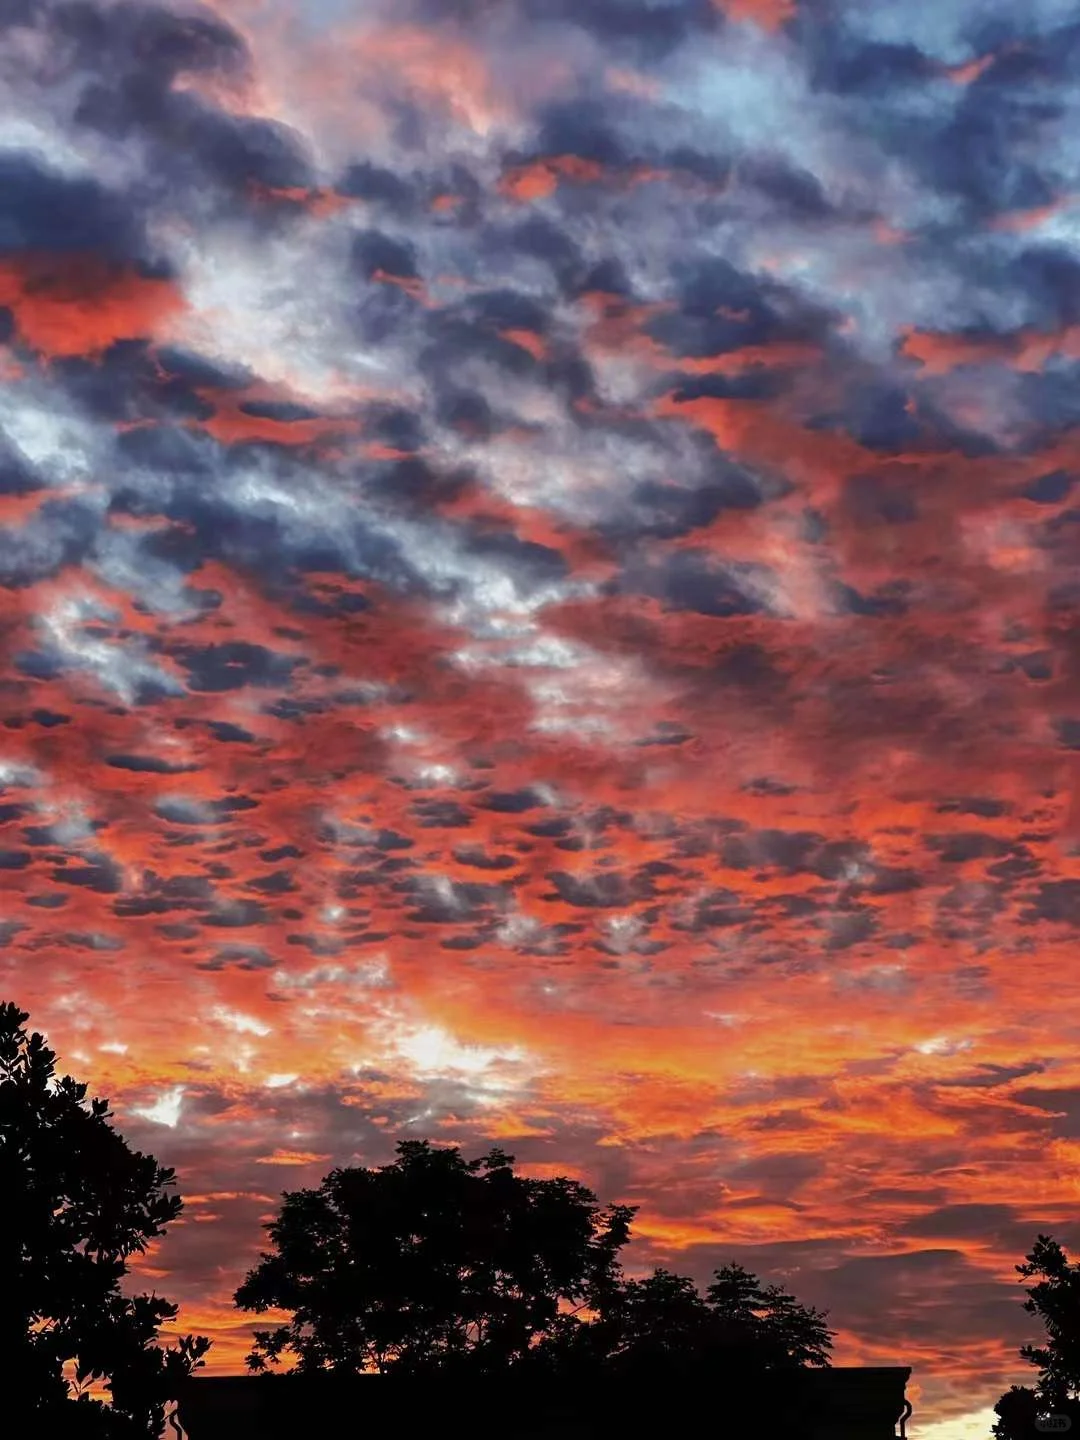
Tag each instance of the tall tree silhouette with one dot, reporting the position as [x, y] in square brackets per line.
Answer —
[771, 1327]
[429, 1264]
[1055, 1297]
[437, 1265]
[77, 1203]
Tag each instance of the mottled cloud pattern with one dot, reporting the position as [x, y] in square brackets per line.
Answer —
[540, 606]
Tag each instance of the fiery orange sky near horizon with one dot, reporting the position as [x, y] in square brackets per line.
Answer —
[541, 609]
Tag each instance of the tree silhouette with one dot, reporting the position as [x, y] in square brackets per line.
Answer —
[658, 1322]
[77, 1203]
[429, 1263]
[771, 1327]
[434, 1265]
[1056, 1298]
[661, 1324]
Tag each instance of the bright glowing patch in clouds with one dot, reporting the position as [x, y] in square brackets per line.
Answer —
[435, 1052]
[165, 1110]
[234, 1020]
[968, 1427]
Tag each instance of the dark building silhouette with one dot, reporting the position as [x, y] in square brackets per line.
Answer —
[837, 1403]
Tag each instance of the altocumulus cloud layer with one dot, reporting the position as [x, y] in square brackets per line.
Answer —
[540, 607]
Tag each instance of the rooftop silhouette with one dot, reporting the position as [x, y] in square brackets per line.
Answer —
[839, 1403]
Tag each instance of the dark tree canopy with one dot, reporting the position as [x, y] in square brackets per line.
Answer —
[1055, 1298]
[429, 1261]
[771, 1326]
[435, 1265]
[663, 1324]
[77, 1204]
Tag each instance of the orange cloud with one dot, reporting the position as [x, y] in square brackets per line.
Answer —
[81, 305]
[540, 178]
[771, 15]
[970, 71]
[527, 340]
[1017, 221]
[938, 352]
[291, 1157]
[318, 202]
[231, 424]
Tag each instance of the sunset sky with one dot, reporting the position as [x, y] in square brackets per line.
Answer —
[541, 608]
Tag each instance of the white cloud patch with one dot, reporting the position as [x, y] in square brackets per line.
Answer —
[239, 1022]
[165, 1109]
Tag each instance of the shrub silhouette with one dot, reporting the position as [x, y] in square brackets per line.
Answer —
[77, 1203]
[433, 1265]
